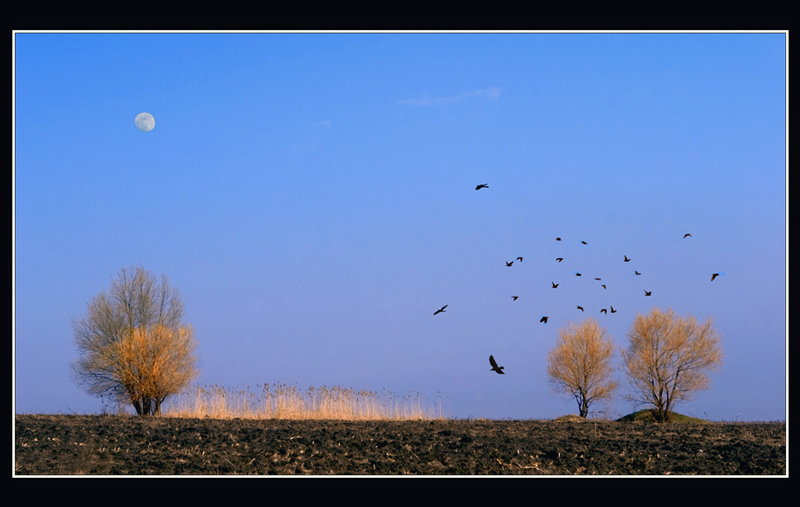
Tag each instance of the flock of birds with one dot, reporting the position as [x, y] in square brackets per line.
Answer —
[499, 369]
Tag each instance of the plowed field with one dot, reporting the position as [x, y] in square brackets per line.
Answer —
[126, 445]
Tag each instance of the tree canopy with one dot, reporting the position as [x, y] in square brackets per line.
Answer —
[133, 344]
[668, 359]
[580, 364]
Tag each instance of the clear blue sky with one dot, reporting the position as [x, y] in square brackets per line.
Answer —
[312, 196]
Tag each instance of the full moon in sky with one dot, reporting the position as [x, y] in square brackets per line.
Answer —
[145, 122]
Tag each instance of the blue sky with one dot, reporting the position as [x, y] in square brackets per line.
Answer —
[312, 196]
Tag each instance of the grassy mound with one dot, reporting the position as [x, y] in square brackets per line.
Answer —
[570, 418]
[647, 416]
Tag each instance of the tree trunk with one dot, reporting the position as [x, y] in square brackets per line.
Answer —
[584, 408]
[144, 406]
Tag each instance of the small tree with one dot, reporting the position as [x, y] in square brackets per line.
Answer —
[133, 345]
[667, 359]
[580, 364]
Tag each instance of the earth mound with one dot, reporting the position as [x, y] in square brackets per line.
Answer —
[648, 415]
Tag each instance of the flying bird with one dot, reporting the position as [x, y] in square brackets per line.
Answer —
[687, 235]
[636, 272]
[543, 319]
[585, 243]
[498, 369]
[514, 297]
[508, 264]
[555, 285]
[482, 185]
[558, 239]
[626, 258]
[559, 259]
[647, 293]
[714, 275]
[519, 259]
[613, 310]
[596, 278]
[604, 311]
[440, 310]
[603, 285]
[580, 308]
[577, 274]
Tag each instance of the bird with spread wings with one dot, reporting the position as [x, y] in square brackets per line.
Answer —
[498, 369]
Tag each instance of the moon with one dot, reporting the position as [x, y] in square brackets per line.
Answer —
[145, 122]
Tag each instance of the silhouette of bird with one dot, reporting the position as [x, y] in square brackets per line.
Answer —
[558, 239]
[555, 285]
[626, 258]
[604, 311]
[636, 273]
[612, 309]
[687, 235]
[580, 308]
[543, 319]
[519, 259]
[440, 310]
[514, 297]
[577, 274]
[585, 243]
[714, 275]
[482, 185]
[559, 259]
[508, 264]
[596, 278]
[498, 369]
[603, 286]
[647, 293]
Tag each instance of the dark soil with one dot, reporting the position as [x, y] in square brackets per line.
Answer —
[127, 445]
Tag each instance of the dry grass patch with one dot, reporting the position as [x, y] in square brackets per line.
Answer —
[284, 401]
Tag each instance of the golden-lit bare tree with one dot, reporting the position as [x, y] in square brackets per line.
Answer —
[668, 357]
[580, 364]
[133, 344]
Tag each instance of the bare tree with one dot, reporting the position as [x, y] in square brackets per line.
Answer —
[134, 347]
[580, 364]
[667, 359]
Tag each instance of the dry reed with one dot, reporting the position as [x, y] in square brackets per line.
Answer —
[282, 401]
